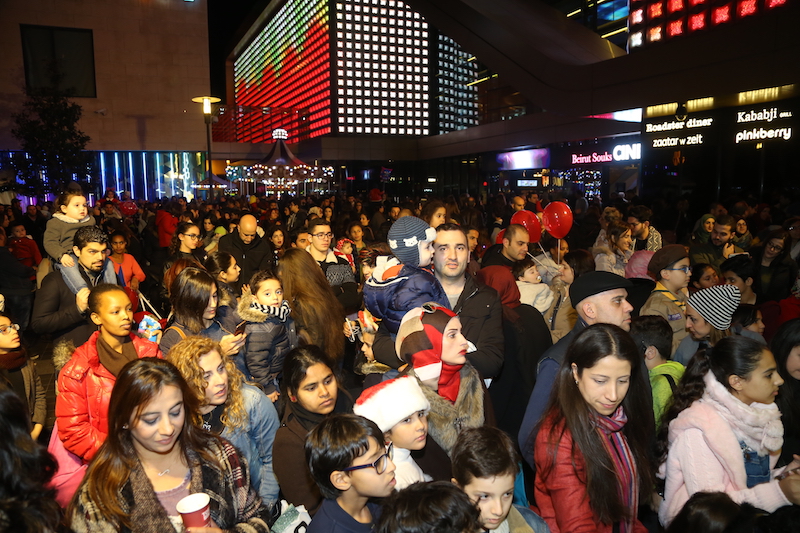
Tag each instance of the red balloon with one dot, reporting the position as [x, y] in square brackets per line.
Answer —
[530, 222]
[557, 219]
[499, 238]
[128, 208]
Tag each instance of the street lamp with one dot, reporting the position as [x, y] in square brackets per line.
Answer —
[207, 101]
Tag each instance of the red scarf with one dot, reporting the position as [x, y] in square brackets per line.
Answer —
[610, 430]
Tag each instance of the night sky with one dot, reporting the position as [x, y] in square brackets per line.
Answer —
[228, 20]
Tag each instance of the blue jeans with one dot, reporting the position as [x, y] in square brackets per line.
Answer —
[74, 280]
[756, 466]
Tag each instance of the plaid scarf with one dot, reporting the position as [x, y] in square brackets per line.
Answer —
[610, 430]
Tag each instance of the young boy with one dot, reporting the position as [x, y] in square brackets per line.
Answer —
[485, 464]
[739, 270]
[400, 409]
[531, 289]
[438, 507]
[670, 268]
[350, 464]
[400, 284]
[271, 332]
[651, 334]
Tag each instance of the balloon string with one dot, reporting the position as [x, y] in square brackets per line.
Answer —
[546, 267]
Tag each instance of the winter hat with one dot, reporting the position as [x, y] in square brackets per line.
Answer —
[666, 257]
[596, 282]
[637, 265]
[389, 402]
[419, 343]
[404, 238]
[717, 304]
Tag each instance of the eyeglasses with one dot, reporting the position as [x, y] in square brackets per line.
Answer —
[776, 247]
[5, 330]
[322, 235]
[379, 465]
[686, 269]
[193, 236]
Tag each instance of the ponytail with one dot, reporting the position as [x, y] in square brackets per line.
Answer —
[690, 389]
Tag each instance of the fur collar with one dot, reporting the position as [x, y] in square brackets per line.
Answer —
[758, 425]
[69, 220]
[251, 311]
[446, 420]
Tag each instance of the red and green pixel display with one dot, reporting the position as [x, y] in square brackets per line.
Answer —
[286, 71]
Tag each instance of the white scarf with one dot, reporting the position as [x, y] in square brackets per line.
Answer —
[758, 424]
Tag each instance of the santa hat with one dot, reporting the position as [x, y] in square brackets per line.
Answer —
[391, 401]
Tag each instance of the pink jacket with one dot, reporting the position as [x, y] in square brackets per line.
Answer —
[704, 455]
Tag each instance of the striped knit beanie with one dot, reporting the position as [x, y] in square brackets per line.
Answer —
[717, 304]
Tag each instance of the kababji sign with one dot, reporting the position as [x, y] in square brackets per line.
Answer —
[758, 125]
[621, 152]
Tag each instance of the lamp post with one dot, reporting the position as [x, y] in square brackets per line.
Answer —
[207, 101]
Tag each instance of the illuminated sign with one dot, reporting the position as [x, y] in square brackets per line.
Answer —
[675, 133]
[621, 152]
[283, 77]
[759, 125]
[527, 183]
[524, 159]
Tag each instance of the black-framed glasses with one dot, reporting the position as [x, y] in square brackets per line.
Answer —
[5, 330]
[776, 247]
[328, 235]
[380, 463]
[193, 236]
[685, 269]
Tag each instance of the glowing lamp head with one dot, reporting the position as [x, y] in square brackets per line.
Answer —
[280, 134]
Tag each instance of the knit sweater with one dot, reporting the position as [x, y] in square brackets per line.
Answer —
[705, 455]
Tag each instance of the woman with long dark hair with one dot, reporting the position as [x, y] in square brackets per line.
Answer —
[156, 453]
[723, 431]
[786, 348]
[309, 392]
[591, 450]
[223, 267]
[776, 271]
[619, 251]
[27, 505]
[194, 299]
[316, 311]
[186, 243]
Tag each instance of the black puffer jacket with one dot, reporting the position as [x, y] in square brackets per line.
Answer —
[268, 341]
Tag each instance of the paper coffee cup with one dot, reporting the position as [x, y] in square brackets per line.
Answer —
[194, 510]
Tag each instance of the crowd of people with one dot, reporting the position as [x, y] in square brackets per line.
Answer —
[402, 366]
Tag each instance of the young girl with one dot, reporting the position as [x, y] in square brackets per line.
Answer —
[723, 430]
[703, 277]
[430, 341]
[309, 392]
[186, 243]
[72, 213]
[85, 382]
[155, 456]
[128, 269]
[231, 408]
[19, 374]
[344, 248]
[616, 256]
[224, 268]
[591, 449]
[270, 332]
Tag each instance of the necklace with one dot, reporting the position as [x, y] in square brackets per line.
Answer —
[160, 474]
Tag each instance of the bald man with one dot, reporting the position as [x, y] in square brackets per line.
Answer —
[252, 253]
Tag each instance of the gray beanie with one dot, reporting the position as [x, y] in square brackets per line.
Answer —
[717, 304]
[404, 238]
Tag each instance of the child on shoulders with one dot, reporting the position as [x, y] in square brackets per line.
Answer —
[402, 283]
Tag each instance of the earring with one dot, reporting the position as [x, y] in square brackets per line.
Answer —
[576, 382]
[293, 398]
[125, 426]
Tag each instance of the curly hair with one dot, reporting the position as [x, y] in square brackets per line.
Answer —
[175, 243]
[186, 357]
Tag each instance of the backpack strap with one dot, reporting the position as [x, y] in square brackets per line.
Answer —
[671, 381]
[183, 335]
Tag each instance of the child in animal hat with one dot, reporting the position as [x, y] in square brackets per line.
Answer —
[401, 283]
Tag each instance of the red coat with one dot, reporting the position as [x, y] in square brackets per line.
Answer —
[166, 224]
[84, 390]
[561, 497]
